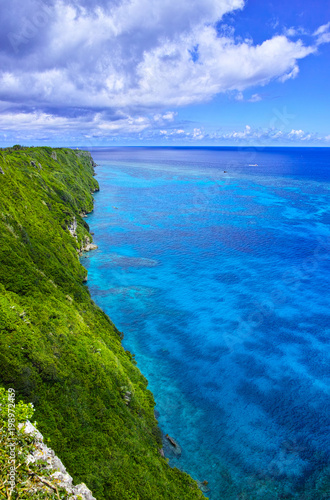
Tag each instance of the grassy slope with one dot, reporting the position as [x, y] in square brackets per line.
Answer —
[58, 349]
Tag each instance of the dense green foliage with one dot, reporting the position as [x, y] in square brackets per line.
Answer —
[58, 350]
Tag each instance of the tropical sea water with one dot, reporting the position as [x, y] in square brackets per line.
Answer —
[215, 265]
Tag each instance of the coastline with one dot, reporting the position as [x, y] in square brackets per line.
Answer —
[59, 349]
[169, 443]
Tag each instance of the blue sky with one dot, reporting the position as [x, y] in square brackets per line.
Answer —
[170, 72]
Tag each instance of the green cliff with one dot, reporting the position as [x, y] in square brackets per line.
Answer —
[58, 349]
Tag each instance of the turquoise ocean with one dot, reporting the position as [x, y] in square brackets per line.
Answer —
[215, 263]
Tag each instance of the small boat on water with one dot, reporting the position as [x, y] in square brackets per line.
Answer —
[255, 165]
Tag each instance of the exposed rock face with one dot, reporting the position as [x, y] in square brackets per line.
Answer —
[33, 163]
[127, 395]
[59, 478]
[73, 228]
[53, 155]
[1, 171]
[88, 246]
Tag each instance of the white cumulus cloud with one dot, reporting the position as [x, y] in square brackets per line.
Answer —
[128, 60]
[139, 53]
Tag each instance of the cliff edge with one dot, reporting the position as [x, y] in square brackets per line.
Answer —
[58, 349]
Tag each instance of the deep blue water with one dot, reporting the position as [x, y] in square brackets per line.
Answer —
[215, 265]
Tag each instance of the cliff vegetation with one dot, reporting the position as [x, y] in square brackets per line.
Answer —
[58, 349]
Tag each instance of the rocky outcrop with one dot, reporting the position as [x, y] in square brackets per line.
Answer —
[174, 447]
[73, 228]
[86, 154]
[127, 395]
[87, 246]
[53, 155]
[1, 171]
[35, 165]
[59, 477]
[203, 485]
